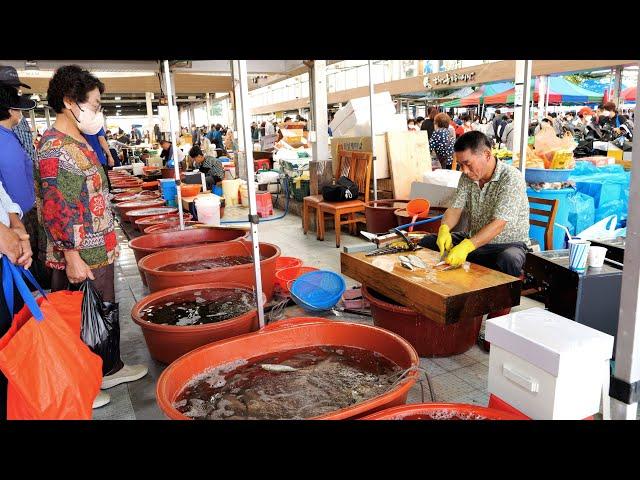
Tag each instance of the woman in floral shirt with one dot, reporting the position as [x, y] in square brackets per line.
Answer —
[441, 142]
[74, 196]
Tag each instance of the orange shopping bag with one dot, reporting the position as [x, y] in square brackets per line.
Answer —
[51, 373]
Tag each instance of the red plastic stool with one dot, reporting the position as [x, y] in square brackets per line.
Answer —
[261, 164]
[264, 204]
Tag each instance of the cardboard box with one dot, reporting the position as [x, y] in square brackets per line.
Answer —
[363, 144]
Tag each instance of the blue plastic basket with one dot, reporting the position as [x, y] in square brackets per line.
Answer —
[544, 175]
[319, 290]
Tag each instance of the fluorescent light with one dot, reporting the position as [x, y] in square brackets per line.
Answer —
[118, 106]
[117, 98]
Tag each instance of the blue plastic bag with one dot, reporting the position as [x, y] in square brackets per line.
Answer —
[581, 212]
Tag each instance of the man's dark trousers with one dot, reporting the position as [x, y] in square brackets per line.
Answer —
[505, 257]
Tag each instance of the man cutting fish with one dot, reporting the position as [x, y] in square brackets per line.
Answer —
[494, 196]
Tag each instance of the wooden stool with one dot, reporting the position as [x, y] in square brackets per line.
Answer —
[308, 203]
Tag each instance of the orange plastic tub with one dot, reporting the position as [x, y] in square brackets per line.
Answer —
[141, 213]
[159, 280]
[156, 242]
[430, 338]
[287, 262]
[290, 334]
[285, 276]
[443, 411]
[190, 190]
[168, 342]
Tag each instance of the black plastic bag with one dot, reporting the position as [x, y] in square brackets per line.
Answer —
[100, 329]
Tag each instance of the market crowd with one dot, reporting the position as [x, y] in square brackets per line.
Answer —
[586, 126]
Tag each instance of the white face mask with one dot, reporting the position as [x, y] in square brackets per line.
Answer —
[588, 118]
[604, 114]
[89, 122]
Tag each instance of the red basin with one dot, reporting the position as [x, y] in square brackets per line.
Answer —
[145, 222]
[156, 242]
[442, 411]
[141, 213]
[168, 342]
[171, 226]
[159, 280]
[125, 207]
[430, 338]
[286, 335]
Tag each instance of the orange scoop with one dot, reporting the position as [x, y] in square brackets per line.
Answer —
[418, 208]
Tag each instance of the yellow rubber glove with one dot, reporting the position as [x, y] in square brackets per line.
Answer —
[444, 240]
[458, 254]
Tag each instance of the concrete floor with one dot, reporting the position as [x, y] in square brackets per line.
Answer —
[460, 378]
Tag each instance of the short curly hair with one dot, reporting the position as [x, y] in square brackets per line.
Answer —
[71, 81]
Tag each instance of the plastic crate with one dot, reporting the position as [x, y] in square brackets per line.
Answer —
[298, 194]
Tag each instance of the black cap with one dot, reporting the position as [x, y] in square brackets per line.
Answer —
[9, 76]
[9, 98]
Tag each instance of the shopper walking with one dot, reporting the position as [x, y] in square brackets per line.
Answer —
[441, 141]
[76, 211]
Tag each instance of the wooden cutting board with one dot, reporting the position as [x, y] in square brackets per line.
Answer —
[409, 158]
[442, 296]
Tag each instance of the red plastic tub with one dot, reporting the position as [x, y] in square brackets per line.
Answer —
[286, 335]
[430, 338]
[287, 262]
[168, 342]
[141, 213]
[285, 276]
[145, 222]
[170, 226]
[442, 411]
[380, 214]
[125, 207]
[156, 242]
[159, 280]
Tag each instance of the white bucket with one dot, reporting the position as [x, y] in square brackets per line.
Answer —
[230, 191]
[208, 208]
[138, 168]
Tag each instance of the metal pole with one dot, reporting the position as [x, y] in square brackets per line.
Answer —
[32, 117]
[546, 106]
[245, 141]
[148, 96]
[373, 135]
[628, 339]
[172, 137]
[521, 110]
[319, 109]
[542, 93]
[208, 107]
[617, 86]
[47, 117]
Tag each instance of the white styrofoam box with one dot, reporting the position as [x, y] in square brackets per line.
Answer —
[447, 178]
[626, 156]
[268, 177]
[547, 366]
[353, 119]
